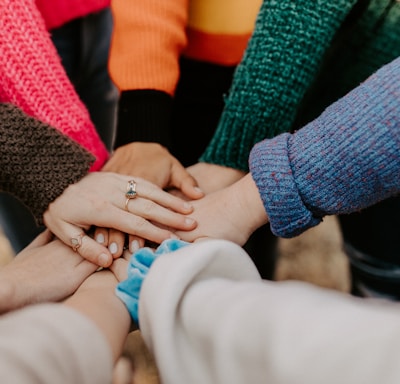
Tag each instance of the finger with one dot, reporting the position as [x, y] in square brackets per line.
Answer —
[185, 182]
[134, 225]
[119, 268]
[135, 243]
[151, 192]
[101, 236]
[178, 193]
[116, 240]
[88, 248]
[151, 211]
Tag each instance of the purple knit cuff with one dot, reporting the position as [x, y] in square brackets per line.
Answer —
[271, 171]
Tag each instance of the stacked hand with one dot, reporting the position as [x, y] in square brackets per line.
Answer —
[99, 199]
[46, 270]
[232, 213]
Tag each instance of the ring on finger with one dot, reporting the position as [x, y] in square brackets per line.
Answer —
[126, 204]
[130, 193]
[76, 241]
[131, 190]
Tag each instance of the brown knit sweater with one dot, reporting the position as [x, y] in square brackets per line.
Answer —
[37, 162]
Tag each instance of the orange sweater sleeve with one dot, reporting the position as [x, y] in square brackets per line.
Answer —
[147, 41]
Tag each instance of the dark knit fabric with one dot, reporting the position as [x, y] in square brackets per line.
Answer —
[198, 104]
[37, 162]
[144, 115]
[302, 57]
[331, 166]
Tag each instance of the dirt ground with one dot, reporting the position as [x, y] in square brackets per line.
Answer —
[316, 257]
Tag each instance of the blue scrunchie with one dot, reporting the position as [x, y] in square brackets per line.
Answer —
[129, 290]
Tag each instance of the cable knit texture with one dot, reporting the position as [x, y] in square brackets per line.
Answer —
[331, 166]
[33, 78]
[59, 12]
[302, 57]
[37, 162]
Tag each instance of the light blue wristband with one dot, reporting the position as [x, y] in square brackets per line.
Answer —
[139, 264]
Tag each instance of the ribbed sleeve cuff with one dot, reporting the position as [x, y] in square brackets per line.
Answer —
[37, 161]
[287, 213]
[144, 115]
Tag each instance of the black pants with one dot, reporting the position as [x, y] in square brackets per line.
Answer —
[198, 104]
[372, 243]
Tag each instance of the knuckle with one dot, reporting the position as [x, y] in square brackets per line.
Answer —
[149, 206]
[139, 224]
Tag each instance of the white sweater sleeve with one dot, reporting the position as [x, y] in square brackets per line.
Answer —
[209, 318]
[52, 344]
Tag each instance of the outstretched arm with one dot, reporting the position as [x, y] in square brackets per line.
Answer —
[34, 79]
[343, 161]
[76, 341]
[208, 318]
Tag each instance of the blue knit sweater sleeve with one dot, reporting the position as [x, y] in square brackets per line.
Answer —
[343, 161]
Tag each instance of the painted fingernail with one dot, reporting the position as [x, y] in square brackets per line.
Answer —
[103, 260]
[189, 221]
[187, 206]
[134, 246]
[113, 247]
[100, 238]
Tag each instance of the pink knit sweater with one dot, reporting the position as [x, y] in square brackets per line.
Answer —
[58, 12]
[33, 78]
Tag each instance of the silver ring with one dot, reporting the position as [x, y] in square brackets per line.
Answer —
[131, 190]
[76, 242]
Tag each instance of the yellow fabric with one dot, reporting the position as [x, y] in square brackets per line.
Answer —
[223, 16]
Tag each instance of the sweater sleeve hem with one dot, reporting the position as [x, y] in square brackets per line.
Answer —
[38, 162]
[144, 115]
[288, 215]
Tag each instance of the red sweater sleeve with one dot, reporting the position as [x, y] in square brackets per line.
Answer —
[59, 12]
[33, 78]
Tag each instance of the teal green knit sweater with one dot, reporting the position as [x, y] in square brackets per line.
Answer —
[303, 55]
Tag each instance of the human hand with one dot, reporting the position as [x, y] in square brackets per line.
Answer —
[46, 270]
[153, 162]
[232, 213]
[99, 200]
[140, 262]
[212, 177]
[115, 241]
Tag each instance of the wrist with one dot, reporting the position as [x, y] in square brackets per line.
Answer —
[251, 202]
[8, 295]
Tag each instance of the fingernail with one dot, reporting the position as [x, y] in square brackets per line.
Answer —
[187, 206]
[113, 247]
[100, 238]
[189, 221]
[134, 246]
[198, 189]
[173, 236]
[103, 260]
